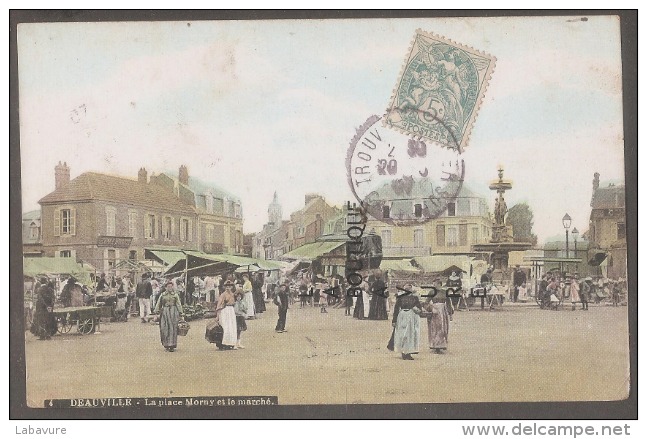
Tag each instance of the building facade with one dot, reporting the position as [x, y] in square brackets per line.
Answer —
[219, 225]
[32, 245]
[465, 222]
[102, 219]
[279, 236]
[607, 229]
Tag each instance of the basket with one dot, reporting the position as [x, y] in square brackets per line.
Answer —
[183, 328]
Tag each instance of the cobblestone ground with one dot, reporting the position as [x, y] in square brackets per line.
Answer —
[514, 353]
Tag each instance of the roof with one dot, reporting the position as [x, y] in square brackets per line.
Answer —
[609, 197]
[311, 251]
[31, 215]
[200, 187]
[95, 186]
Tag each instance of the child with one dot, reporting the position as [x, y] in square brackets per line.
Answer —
[323, 297]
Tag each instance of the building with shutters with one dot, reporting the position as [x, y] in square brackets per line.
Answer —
[219, 214]
[465, 222]
[103, 219]
[607, 232]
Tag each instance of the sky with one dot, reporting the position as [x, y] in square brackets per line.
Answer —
[263, 106]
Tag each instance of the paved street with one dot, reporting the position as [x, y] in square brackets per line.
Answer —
[515, 353]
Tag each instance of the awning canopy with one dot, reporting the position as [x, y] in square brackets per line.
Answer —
[312, 251]
[33, 267]
[200, 265]
[441, 263]
[168, 257]
[204, 264]
[597, 259]
[398, 265]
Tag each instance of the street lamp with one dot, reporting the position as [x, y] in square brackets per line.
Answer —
[575, 234]
[566, 222]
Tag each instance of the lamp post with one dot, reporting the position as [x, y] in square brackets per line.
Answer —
[566, 222]
[575, 233]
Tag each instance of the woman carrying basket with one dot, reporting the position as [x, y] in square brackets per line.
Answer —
[169, 307]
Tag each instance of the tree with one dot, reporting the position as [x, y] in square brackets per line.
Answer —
[520, 217]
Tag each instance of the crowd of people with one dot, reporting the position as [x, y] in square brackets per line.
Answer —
[237, 298]
[556, 288]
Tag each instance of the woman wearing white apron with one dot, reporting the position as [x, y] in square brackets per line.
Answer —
[248, 297]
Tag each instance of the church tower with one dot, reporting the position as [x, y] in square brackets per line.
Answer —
[274, 212]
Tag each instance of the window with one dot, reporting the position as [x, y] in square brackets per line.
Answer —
[440, 235]
[209, 233]
[462, 234]
[417, 210]
[132, 224]
[132, 255]
[475, 235]
[386, 238]
[166, 227]
[451, 209]
[65, 222]
[622, 231]
[452, 236]
[33, 231]
[65, 253]
[111, 259]
[386, 212]
[186, 229]
[418, 238]
[111, 219]
[150, 224]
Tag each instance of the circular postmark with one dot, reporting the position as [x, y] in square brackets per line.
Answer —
[399, 179]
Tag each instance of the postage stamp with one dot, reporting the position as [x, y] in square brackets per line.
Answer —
[401, 180]
[439, 91]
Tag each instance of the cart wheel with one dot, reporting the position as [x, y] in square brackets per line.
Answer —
[86, 326]
[63, 324]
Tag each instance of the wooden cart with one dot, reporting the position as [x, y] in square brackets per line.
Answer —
[85, 318]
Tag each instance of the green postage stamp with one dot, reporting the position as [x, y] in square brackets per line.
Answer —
[439, 91]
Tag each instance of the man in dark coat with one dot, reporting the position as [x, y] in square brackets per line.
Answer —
[144, 291]
[281, 300]
[44, 320]
[519, 278]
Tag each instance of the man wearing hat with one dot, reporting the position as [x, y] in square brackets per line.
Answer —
[281, 300]
[144, 291]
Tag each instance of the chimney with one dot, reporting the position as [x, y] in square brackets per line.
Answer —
[596, 185]
[183, 175]
[142, 175]
[310, 197]
[61, 175]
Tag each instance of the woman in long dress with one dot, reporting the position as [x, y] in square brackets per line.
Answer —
[227, 316]
[248, 296]
[439, 314]
[257, 293]
[169, 306]
[377, 308]
[406, 321]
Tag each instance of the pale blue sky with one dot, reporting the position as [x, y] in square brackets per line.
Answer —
[272, 105]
